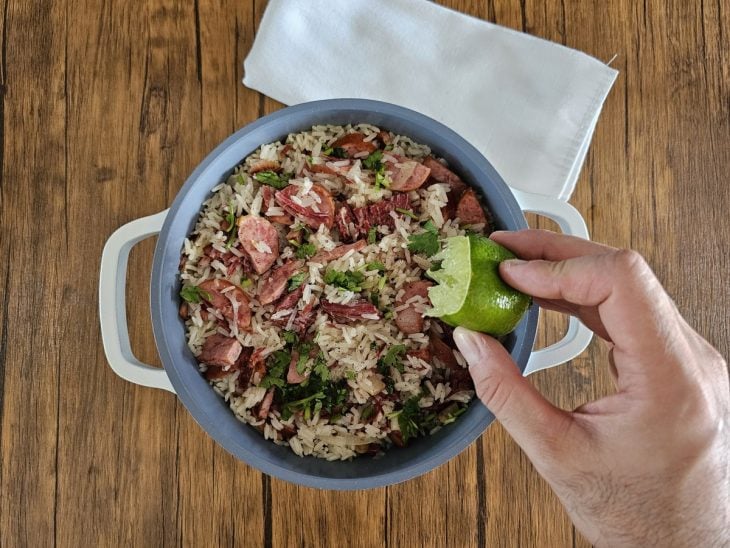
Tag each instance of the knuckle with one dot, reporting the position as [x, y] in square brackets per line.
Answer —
[630, 261]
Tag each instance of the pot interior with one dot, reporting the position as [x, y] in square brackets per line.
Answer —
[209, 409]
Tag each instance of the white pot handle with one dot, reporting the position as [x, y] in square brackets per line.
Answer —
[112, 303]
[578, 336]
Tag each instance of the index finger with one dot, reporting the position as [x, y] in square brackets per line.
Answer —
[533, 244]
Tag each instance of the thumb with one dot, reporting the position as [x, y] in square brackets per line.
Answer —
[534, 423]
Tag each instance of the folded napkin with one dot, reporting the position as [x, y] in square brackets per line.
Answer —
[529, 105]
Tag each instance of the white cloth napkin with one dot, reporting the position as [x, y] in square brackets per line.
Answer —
[529, 105]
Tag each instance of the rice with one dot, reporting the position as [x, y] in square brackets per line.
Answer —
[371, 377]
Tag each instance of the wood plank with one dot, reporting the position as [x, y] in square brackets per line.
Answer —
[36, 288]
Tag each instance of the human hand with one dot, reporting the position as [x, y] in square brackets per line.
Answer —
[649, 465]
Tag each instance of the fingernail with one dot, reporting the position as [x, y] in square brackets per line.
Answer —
[468, 344]
[509, 263]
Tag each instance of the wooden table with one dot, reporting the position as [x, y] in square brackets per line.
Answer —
[108, 106]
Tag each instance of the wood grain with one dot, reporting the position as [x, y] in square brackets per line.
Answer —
[107, 107]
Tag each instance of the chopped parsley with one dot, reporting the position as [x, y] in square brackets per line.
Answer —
[350, 375]
[426, 242]
[305, 251]
[367, 412]
[193, 294]
[277, 365]
[337, 152]
[231, 220]
[296, 280]
[290, 337]
[381, 181]
[373, 161]
[372, 234]
[273, 179]
[406, 212]
[349, 280]
[246, 282]
[392, 358]
[375, 265]
[408, 417]
[320, 367]
[240, 179]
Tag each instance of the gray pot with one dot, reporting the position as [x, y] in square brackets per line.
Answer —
[180, 374]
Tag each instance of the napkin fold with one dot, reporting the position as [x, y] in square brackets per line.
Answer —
[529, 105]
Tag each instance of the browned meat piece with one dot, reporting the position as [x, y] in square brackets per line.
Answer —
[442, 174]
[291, 299]
[362, 218]
[460, 379]
[230, 260]
[292, 375]
[313, 219]
[352, 311]
[379, 213]
[267, 193]
[384, 137]
[443, 353]
[259, 240]
[184, 310]
[421, 353]
[409, 320]
[354, 143]
[220, 351]
[304, 319]
[214, 373]
[346, 223]
[406, 174]
[469, 211]
[284, 151]
[323, 257]
[264, 165]
[266, 404]
[273, 287]
[397, 438]
[221, 294]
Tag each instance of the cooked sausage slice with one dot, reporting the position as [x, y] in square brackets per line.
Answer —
[221, 295]
[264, 165]
[421, 353]
[220, 351]
[354, 143]
[443, 352]
[354, 310]
[469, 211]
[291, 299]
[266, 404]
[320, 209]
[409, 320]
[259, 240]
[406, 174]
[292, 375]
[273, 287]
[323, 257]
[267, 193]
[442, 174]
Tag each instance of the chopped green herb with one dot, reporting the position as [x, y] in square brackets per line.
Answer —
[273, 179]
[406, 212]
[339, 152]
[375, 265]
[320, 367]
[350, 375]
[426, 242]
[240, 179]
[231, 221]
[294, 243]
[328, 151]
[381, 181]
[349, 280]
[305, 251]
[381, 283]
[296, 280]
[373, 161]
[392, 358]
[451, 413]
[277, 364]
[246, 282]
[367, 412]
[407, 418]
[193, 294]
[290, 337]
[302, 363]
[389, 314]
[372, 234]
